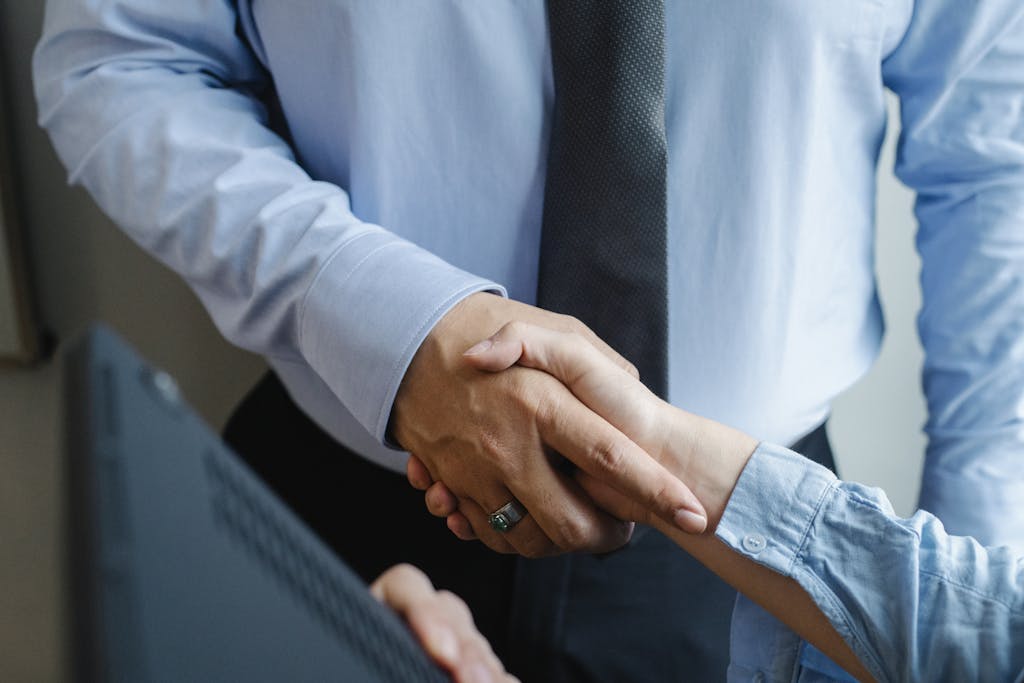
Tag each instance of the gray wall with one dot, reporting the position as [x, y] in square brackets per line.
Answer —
[876, 425]
[84, 269]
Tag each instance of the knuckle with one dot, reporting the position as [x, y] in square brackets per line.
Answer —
[574, 533]
[577, 326]
[664, 491]
[516, 329]
[570, 322]
[522, 386]
[436, 503]
[455, 605]
[408, 575]
[577, 338]
[405, 570]
[504, 460]
[492, 446]
[548, 410]
[522, 395]
[608, 456]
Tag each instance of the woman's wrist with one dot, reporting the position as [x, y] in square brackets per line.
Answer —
[707, 456]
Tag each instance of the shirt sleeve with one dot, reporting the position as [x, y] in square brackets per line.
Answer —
[154, 107]
[959, 73]
[913, 602]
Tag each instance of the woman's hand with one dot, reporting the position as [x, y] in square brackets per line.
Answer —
[443, 624]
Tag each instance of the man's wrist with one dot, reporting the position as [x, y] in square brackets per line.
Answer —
[438, 353]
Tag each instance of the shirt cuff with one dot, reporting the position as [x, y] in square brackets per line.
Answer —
[773, 506]
[368, 311]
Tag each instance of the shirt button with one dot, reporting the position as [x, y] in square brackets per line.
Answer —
[754, 543]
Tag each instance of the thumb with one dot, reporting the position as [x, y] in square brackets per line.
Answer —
[494, 354]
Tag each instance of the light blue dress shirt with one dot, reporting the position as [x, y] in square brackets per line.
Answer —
[405, 169]
[911, 601]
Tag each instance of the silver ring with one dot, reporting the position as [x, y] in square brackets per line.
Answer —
[507, 516]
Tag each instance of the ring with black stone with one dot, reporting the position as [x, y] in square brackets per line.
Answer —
[507, 516]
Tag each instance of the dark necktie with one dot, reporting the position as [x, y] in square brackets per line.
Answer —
[603, 246]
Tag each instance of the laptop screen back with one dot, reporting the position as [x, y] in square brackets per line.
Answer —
[184, 565]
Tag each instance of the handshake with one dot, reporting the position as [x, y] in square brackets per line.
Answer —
[815, 559]
[637, 451]
[643, 460]
[606, 452]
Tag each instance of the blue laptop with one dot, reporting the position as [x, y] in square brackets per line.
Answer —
[185, 566]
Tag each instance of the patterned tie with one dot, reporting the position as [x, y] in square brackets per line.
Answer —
[603, 247]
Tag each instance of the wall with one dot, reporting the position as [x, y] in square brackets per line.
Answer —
[876, 425]
[84, 269]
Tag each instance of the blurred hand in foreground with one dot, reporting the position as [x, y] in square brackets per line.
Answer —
[442, 623]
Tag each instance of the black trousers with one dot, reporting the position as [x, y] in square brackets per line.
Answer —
[648, 612]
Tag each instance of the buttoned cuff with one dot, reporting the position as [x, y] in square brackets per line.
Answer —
[368, 311]
[773, 506]
[770, 514]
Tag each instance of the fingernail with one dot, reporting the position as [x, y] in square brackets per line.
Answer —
[444, 645]
[479, 347]
[690, 521]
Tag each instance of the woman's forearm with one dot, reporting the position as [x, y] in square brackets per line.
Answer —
[710, 457]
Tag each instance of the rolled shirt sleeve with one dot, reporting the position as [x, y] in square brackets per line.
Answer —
[155, 108]
[959, 73]
[913, 602]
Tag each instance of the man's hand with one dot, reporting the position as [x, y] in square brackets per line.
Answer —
[443, 625]
[491, 437]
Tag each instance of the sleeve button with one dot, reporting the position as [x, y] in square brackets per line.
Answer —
[754, 543]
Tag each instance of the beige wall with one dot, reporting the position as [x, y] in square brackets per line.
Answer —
[85, 270]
